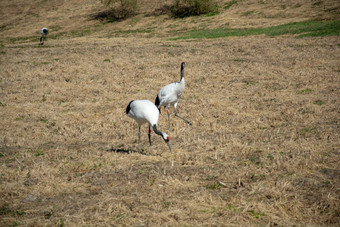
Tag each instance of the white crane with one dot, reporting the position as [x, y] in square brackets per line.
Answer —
[44, 32]
[170, 94]
[144, 111]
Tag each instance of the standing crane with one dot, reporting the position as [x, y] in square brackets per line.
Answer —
[144, 111]
[170, 94]
[44, 32]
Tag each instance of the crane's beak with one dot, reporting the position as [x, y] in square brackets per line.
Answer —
[167, 142]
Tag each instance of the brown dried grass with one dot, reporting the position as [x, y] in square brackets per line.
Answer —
[263, 148]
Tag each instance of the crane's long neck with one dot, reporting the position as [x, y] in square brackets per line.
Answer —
[164, 135]
[182, 73]
[154, 127]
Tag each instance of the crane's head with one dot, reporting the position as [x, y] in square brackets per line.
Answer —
[182, 64]
[44, 31]
[166, 139]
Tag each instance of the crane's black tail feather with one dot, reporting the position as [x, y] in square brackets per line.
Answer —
[157, 103]
[128, 108]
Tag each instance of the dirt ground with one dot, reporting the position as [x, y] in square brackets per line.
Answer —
[263, 148]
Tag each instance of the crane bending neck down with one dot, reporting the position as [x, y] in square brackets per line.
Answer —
[44, 32]
[144, 111]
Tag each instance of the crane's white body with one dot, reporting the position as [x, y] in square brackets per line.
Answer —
[144, 111]
[170, 94]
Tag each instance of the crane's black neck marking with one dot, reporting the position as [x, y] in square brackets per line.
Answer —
[182, 70]
[154, 127]
[128, 108]
[157, 103]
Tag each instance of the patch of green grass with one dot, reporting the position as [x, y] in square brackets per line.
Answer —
[166, 204]
[60, 222]
[270, 156]
[2, 155]
[6, 210]
[305, 131]
[256, 214]
[140, 172]
[38, 153]
[319, 102]
[300, 29]
[215, 186]
[118, 218]
[44, 120]
[212, 14]
[213, 210]
[19, 118]
[107, 60]
[306, 91]
[327, 182]
[2, 104]
[232, 208]
[239, 60]
[20, 212]
[229, 4]
[95, 166]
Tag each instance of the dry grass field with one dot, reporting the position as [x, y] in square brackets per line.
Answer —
[263, 148]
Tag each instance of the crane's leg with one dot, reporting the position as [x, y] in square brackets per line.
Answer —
[175, 105]
[149, 135]
[41, 41]
[138, 138]
[169, 116]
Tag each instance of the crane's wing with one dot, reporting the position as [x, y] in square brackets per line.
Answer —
[170, 90]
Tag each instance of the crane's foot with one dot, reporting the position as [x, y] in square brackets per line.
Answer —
[188, 122]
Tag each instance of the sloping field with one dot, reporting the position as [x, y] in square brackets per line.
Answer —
[263, 148]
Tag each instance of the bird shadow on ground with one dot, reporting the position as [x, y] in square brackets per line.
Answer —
[129, 151]
[121, 150]
[126, 151]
